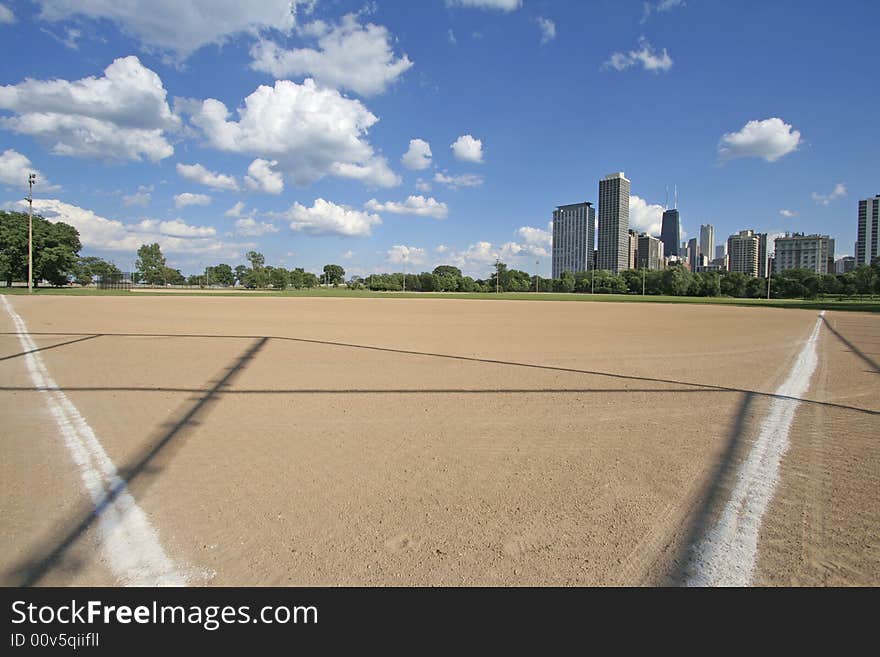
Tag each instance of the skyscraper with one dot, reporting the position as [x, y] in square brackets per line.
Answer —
[633, 248]
[650, 253]
[799, 251]
[742, 252]
[763, 254]
[707, 241]
[573, 236]
[867, 233]
[614, 222]
[693, 254]
[670, 232]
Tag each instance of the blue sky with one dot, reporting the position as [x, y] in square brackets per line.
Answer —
[216, 127]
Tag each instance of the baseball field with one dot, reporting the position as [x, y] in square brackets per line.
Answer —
[344, 441]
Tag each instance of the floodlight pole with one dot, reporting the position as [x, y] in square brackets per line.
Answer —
[644, 274]
[769, 274]
[537, 265]
[32, 179]
[497, 275]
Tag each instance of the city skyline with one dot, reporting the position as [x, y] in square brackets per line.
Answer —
[450, 153]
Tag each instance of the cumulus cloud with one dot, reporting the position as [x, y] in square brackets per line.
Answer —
[311, 132]
[186, 198]
[645, 217]
[97, 232]
[418, 156]
[479, 258]
[121, 115]
[645, 56]
[250, 227]
[177, 26]
[417, 205]
[6, 15]
[548, 29]
[15, 169]
[659, 7]
[262, 178]
[328, 218]
[536, 236]
[198, 174]
[467, 149]
[501, 5]
[839, 191]
[349, 55]
[405, 255]
[141, 197]
[235, 210]
[769, 139]
[454, 182]
[788, 213]
[423, 185]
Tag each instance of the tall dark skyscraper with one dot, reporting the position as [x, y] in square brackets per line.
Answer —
[614, 222]
[670, 232]
[867, 233]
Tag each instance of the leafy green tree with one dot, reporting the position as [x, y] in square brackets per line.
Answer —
[334, 274]
[55, 248]
[173, 277]
[676, 280]
[221, 274]
[865, 278]
[56, 264]
[733, 284]
[279, 278]
[296, 278]
[567, 282]
[447, 270]
[310, 280]
[257, 260]
[150, 264]
[240, 273]
[467, 284]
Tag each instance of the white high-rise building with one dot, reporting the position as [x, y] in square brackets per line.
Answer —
[573, 237]
[742, 252]
[614, 222]
[799, 251]
[707, 241]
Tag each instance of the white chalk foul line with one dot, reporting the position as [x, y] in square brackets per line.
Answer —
[727, 554]
[129, 543]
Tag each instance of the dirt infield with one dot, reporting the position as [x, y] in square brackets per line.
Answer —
[325, 441]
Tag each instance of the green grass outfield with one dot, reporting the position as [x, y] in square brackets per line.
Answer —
[865, 305]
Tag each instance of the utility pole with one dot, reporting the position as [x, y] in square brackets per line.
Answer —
[537, 265]
[769, 274]
[593, 279]
[644, 274]
[497, 275]
[32, 179]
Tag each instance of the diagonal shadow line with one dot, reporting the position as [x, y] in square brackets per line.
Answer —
[51, 346]
[474, 359]
[718, 483]
[32, 571]
[858, 352]
[433, 391]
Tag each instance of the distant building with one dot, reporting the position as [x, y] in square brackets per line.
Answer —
[720, 251]
[650, 253]
[633, 248]
[763, 254]
[742, 252]
[573, 236]
[845, 265]
[799, 251]
[867, 235]
[670, 232]
[614, 222]
[693, 255]
[707, 241]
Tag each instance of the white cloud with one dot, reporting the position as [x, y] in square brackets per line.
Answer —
[349, 55]
[660, 6]
[479, 258]
[536, 236]
[417, 205]
[769, 139]
[441, 248]
[198, 174]
[348, 255]
[6, 15]
[311, 132]
[405, 255]
[122, 115]
[418, 156]
[104, 234]
[646, 56]
[260, 177]
[467, 149]
[328, 218]
[788, 213]
[451, 36]
[454, 182]
[15, 169]
[250, 227]
[141, 197]
[423, 186]
[645, 217]
[501, 5]
[548, 29]
[178, 26]
[235, 210]
[839, 191]
[185, 199]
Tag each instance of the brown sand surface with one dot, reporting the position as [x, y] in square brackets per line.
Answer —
[422, 442]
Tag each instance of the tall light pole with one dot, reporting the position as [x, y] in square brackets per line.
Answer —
[32, 180]
[497, 275]
[537, 265]
[644, 274]
[769, 274]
